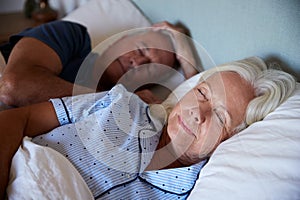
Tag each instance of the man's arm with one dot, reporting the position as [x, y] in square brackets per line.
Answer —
[31, 75]
[183, 51]
[14, 125]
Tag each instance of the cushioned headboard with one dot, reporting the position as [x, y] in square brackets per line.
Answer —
[231, 29]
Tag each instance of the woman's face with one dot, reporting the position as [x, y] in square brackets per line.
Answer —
[134, 51]
[207, 115]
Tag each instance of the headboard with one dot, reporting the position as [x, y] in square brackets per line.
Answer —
[231, 29]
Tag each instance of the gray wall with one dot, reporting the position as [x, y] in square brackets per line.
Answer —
[227, 29]
[235, 29]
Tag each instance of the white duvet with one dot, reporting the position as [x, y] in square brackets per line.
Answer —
[42, 173]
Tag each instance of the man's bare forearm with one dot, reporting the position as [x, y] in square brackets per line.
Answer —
[32, 74]
[35, 86]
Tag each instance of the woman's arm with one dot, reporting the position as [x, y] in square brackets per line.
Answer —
[14, 125]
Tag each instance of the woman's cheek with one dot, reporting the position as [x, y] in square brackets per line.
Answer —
[172, 128]
[209, 141]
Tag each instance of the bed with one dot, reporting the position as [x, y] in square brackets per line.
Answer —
[261, 162]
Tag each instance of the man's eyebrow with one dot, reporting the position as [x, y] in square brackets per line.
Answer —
[144, 45]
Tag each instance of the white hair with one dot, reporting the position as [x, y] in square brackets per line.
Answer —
[271, 87]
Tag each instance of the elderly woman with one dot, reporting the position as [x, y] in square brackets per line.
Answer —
[43, 62]
[123, 149]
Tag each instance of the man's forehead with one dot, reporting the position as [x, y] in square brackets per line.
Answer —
[153, 39]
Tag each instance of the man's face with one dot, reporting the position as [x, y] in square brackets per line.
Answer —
[136, 51]
[207, 115]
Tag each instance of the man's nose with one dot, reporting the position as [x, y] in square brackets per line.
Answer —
[138, 60]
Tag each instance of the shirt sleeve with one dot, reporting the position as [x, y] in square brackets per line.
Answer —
[74, 108]
[58, 35]
[61, 111]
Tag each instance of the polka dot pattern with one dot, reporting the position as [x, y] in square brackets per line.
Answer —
[111, 143]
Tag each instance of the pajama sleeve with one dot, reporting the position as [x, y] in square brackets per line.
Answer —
[74, 108]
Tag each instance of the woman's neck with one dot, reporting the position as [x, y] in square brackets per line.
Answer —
[164, 157]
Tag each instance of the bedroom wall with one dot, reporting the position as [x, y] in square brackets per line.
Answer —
[227, 29]
[62, 6]
[234, 29]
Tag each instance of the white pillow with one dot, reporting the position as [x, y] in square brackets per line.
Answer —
[104, 18]
[261, 162]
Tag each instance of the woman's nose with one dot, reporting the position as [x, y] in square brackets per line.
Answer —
[196, 116]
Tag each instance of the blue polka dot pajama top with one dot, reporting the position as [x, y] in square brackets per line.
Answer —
[110, 138]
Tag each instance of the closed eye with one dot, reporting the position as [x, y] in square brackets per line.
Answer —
[224, 118]
[142, 48]
[220, 117]
[202, 94]
[141, 52]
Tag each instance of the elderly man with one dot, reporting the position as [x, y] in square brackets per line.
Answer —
[43, 62]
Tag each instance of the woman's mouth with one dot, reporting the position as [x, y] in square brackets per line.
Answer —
[185, 128]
